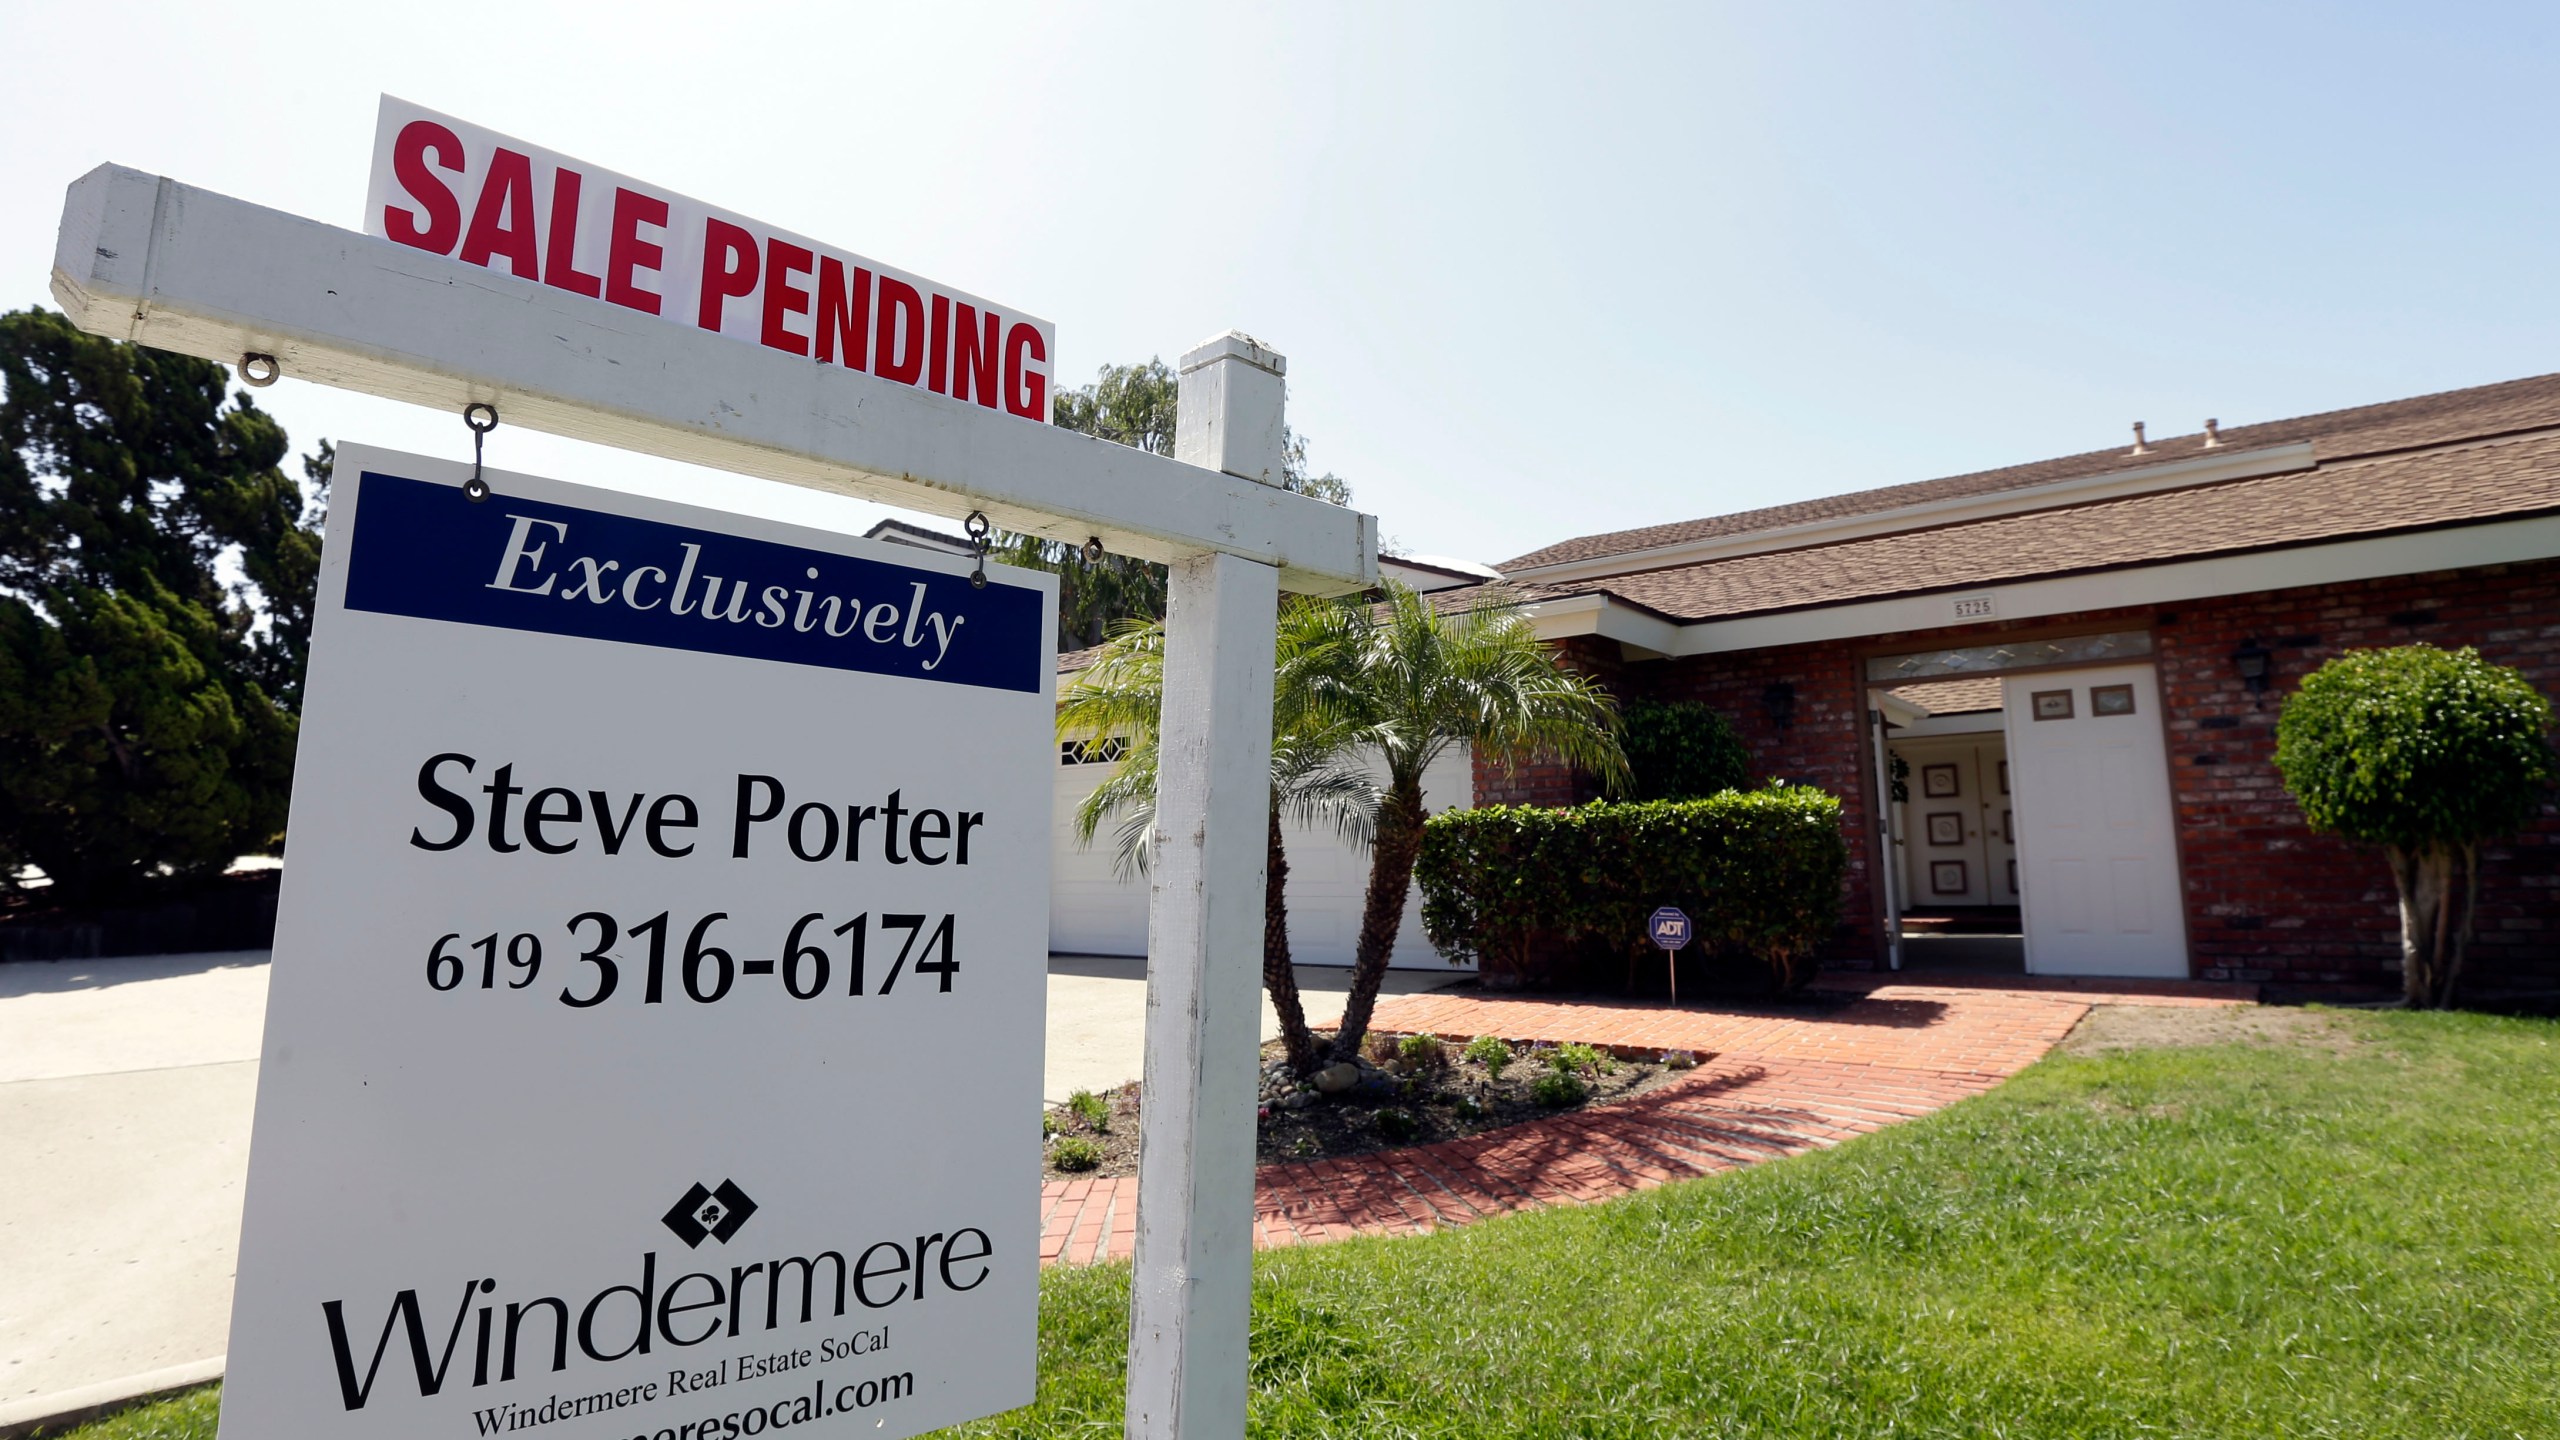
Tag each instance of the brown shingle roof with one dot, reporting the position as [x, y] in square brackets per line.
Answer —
[2454, 485]
[2454, 415]
[1447, 602]
[1966, 696]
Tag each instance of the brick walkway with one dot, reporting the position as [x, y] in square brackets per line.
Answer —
[1770, 1083]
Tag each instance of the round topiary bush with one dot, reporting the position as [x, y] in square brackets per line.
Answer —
[2426, 753]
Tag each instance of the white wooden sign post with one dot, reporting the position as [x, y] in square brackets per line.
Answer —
[150, 260]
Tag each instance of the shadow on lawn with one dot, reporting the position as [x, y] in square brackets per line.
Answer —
[1702, 1125]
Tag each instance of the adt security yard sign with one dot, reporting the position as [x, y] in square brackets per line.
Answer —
[656, 1011]
[1669, 927]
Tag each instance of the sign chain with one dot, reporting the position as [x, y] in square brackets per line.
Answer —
[475, 487]
[979, 532]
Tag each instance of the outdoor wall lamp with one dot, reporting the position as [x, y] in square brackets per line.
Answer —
[1778, 703]
[2251, 661]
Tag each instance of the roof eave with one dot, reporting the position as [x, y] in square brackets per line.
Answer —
[2457, 546]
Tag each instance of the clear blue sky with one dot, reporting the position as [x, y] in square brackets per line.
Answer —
[1537, 274]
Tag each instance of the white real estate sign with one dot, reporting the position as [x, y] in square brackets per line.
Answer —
[656, 1016]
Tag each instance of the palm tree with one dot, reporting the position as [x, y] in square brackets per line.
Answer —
[1423, 682]
[1311, 737]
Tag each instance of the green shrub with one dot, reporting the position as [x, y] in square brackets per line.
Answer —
[1379, 1047]
[1759, 873]
[1092, 1109]
[1074, 1152]
[1679, 1060]
[1048, 1124]
[1469, 1108]
[2426, 753]
[1422, 1052]
[1489, 1052]
[1681, 751]
[1557, 1089]
[1581, 1060]
[1398, 1124]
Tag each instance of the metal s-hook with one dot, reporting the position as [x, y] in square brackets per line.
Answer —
[979, 531]
[475, 488]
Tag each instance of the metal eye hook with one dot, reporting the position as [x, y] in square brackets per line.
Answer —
[1093, 550]
[259, 370]
[979, 530]
[475, 488]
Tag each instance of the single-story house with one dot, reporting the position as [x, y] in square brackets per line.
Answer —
[2048, 693]
[2055, 686]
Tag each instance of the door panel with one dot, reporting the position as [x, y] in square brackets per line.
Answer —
[1999, 828]
[1943, 849]
[2130, 877]
[2097, 847]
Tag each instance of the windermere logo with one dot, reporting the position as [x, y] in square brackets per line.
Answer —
[514, 1332]
[710, 1214]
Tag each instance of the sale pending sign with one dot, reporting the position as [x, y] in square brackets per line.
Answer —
[454, 189]
[656, 1014]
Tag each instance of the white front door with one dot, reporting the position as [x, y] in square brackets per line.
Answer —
[2096, 835]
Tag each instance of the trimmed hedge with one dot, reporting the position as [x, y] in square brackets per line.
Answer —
[1759, 873]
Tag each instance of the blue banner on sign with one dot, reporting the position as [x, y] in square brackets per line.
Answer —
[424, 551]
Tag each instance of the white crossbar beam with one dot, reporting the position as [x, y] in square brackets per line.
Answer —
[147, 259]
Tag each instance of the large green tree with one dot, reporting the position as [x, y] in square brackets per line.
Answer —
[1314, 778]
[2425, 753]
[1133, 405]
[146, 713]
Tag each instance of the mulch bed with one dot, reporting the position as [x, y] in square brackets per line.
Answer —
[1433, 1102]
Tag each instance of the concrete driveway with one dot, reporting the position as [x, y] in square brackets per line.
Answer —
[125, 1093]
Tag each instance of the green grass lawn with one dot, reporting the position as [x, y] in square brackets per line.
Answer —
[2358, 1238]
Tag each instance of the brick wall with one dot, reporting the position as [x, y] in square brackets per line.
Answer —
[2266, 899]
[1543, 779]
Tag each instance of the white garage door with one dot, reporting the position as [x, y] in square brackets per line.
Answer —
[1093, 912]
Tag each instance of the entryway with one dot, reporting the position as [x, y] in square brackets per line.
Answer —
[2030, 823]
